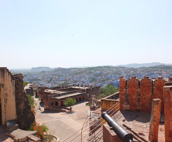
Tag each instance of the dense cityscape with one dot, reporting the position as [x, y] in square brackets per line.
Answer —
[99, 76]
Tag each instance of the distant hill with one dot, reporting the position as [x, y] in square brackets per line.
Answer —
[40, 68]
[135, 65]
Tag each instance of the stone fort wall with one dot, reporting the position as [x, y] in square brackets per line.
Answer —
[137, 94]
[7, 96]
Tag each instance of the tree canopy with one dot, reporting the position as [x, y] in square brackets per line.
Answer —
[70, 102]
[107, 90]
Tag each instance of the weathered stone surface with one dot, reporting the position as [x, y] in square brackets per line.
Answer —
[109, 135]
[154, 121]
[167, 98]
[145, 94]
[133, 86]
[158, 91]
[25, 116]
[7, 96]
[122, 92]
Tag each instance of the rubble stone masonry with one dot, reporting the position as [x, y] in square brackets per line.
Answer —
[25, 116]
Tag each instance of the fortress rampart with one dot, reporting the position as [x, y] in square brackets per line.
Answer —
[137, 94]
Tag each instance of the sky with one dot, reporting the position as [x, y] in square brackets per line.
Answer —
[78, 33]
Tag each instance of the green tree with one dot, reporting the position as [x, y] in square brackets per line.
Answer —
[25, 83]
[70, 102]
[107, 90]
[31, 100]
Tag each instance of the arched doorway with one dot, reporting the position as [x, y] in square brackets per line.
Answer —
[79, 98]
[76, 99]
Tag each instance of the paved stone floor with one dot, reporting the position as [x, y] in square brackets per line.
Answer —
[62, 124]
[137, 123]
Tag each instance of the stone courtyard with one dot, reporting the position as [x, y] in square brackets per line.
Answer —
[63, 124]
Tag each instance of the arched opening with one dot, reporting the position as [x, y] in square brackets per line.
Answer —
[56, 104]
[62, 103]
[79, 98]
[76, 99]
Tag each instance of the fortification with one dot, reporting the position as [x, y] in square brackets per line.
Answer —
[25, 116]
[137, 94]
[7, 96]
[14, 104]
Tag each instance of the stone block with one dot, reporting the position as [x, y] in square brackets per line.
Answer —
[109, 135]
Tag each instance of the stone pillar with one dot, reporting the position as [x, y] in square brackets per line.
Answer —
[167, 98]
[154, 121]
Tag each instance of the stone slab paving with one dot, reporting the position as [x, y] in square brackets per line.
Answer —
[19, 134]
[138, 123]
[63, 124]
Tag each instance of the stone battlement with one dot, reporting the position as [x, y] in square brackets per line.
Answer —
[137, 94]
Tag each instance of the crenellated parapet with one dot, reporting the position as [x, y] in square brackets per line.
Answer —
[137, 94]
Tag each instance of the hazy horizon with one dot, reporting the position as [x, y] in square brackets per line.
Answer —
[84, 33]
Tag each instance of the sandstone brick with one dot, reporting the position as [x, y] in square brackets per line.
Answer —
[158, 91]
[145, 94]
[167, 98]
[133, 86]
[122, 92]
[154, 121]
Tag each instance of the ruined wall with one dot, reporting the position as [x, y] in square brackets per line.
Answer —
[7, 96]
[25, 116]
[133, 86]
[145, 95]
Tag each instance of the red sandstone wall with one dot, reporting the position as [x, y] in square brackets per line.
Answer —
[133, 86]
[168, 111]
[122, 88]
[158, 91]
[145, 95]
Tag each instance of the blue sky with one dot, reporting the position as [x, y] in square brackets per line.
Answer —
[73, 33]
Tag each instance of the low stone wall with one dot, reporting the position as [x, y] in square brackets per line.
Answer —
[107, 103]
